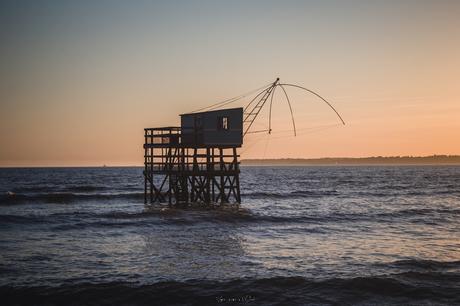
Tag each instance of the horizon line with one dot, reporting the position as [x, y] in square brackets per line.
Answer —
[265, 160]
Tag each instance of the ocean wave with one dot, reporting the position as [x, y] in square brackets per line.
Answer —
[382, 192]
[74, 220]
[17, 219]
[430, 213]
[242, 216]
[86, 188]
[66, 197]
[291, 194]
[50, 188]
[377, 192]
[421, 264]
[404, 288]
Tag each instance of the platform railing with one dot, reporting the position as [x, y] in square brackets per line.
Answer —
[162, 136]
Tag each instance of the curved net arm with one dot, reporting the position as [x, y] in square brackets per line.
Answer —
[324, 100]
[290, 108]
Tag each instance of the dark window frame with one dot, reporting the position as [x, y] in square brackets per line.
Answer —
[223, 123]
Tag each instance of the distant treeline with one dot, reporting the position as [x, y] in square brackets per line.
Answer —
[376, 160]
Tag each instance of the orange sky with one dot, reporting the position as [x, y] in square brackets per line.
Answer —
[80, 81]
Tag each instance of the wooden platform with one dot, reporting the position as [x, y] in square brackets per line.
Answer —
[181, 174]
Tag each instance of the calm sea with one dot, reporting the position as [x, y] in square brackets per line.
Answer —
[305, 235]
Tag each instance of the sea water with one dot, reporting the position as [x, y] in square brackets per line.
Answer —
[319, 235]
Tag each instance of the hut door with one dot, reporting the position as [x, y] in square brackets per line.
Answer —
[198, 130]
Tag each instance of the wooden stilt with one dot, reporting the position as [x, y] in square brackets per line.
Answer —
[183, 175]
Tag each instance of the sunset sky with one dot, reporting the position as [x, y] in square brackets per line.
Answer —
[79, 80]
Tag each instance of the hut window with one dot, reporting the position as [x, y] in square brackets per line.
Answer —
[223, 123]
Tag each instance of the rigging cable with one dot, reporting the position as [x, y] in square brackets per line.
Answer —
[311, 91]
[231, 100]
[270, 113]
[307, 132]
[254, 112]
[266, 91]
[256, 141]
[308, 128]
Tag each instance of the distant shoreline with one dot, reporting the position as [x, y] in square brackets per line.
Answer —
[324, 161]
[364, 161]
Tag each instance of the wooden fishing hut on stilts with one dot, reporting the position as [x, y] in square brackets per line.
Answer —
[197, 163]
